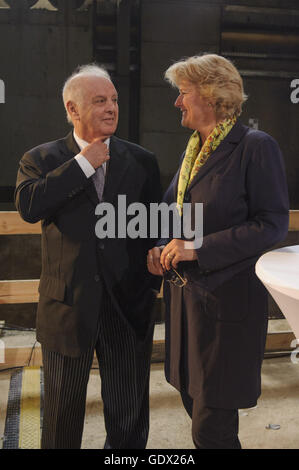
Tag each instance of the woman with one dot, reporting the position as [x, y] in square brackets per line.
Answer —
[216, 322]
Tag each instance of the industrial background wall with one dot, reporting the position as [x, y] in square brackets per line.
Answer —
[42, 41]
[262, 39]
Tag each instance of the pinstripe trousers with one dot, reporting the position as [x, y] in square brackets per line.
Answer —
[124, 364]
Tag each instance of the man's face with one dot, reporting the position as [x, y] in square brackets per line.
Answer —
[97, 109]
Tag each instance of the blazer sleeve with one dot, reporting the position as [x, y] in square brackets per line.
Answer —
[268, 212]
[40, 190]
[152, 193]
[169, 198]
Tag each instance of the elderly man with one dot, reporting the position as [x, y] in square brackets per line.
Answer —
[95, 294]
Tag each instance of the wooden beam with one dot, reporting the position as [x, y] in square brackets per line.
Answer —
[19, 292]
[11, 223]
[26, 292]
[294, 221]
[279, 341]
[20, 356]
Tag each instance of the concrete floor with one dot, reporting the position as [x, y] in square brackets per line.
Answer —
[171, 426]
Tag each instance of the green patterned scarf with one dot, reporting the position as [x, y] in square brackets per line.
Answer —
[196, 157]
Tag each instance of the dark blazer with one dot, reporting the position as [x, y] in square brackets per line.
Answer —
[75, 263]
[216, 325]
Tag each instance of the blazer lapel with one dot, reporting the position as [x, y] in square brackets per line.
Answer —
[223, 151]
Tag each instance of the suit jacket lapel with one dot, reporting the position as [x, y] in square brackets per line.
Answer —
[68, 147]
[117, 167]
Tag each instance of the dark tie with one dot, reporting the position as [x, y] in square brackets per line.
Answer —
[99, 181]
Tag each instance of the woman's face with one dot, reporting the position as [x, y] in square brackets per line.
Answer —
[197, 111]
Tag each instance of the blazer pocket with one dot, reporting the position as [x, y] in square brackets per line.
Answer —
[52, 287]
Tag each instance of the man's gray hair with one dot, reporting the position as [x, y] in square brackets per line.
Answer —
[72, 90]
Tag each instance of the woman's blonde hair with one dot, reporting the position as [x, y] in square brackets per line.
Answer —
[217, 79]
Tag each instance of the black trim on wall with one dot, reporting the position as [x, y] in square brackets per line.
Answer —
[7, 194]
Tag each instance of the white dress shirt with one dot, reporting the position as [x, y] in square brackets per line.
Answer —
[84, 164]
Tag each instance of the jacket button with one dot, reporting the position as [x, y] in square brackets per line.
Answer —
[97, 278]
[101, 246]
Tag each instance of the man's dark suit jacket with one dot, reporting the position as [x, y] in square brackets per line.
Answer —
[216, 325]
[52, 187]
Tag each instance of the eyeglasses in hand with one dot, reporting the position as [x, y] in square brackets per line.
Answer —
[175, 278]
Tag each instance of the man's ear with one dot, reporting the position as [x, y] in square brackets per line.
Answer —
[72, 109]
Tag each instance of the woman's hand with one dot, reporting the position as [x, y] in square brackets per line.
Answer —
[153, 261]
[176, 251]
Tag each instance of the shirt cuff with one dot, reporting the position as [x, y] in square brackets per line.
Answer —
[85, 166]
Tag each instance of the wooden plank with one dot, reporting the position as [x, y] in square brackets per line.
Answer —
[19, 292]
[19, 356]
[294, 221]
[11, 223]
[279, 341]
[26, 291]
[158, 352]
